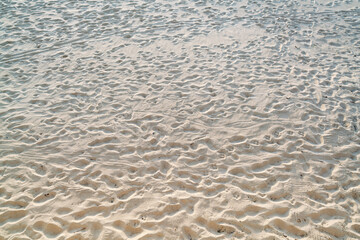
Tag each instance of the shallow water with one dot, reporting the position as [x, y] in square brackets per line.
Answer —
[179, 119]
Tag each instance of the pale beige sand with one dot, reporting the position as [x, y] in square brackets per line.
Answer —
[179, 120]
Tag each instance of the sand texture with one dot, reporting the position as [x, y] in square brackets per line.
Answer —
[155, 119]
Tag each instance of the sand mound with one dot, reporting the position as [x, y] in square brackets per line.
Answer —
[179, 120]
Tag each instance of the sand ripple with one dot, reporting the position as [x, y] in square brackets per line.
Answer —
[179, 120]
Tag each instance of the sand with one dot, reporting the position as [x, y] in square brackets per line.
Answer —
[179, 119]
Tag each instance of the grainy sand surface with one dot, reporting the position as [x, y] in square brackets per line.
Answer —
[179, 119]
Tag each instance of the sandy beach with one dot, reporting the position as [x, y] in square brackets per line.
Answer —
[154, 119]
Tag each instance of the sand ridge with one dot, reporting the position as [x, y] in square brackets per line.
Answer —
[179, 120]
